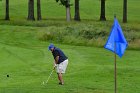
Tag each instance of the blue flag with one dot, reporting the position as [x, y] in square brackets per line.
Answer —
[116, 41]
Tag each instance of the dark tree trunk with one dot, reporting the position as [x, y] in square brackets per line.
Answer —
[31, 10]
[68, 15]
[124, 11]
[38, 10]
[7, 10]
[77, 14]
[102, 15]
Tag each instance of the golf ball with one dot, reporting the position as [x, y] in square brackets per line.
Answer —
[7, 75]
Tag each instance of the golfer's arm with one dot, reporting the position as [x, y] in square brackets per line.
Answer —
[56, 60]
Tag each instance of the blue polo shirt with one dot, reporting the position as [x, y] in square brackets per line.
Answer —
[57, 52]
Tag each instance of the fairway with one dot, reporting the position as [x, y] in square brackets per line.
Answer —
[91, 70]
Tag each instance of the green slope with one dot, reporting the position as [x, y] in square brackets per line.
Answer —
[91, 70]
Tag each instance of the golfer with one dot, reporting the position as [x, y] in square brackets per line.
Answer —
[60, 62]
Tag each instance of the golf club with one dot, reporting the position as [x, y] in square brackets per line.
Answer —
[48, 77]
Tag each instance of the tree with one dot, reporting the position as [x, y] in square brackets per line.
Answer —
[102, 15]
[31, 10]
[124, 11]
[77, 14]
[66, 3]
[38, 10]
[7, 11]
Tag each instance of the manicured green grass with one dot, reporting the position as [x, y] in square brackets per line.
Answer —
[91, 70]
[89, 9]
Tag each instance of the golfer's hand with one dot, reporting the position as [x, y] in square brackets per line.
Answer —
[54, 66]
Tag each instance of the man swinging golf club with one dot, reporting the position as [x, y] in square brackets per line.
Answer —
[60, 61]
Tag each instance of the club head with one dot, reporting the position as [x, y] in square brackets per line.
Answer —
[43, 83]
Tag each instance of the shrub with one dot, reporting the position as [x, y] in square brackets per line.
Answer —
[86, 35]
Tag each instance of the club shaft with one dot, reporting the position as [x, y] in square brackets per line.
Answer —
[49, 76]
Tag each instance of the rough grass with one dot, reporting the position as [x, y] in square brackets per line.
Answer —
[85, 33]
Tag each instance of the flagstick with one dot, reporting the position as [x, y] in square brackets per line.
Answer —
[115, 69]
[115, 66]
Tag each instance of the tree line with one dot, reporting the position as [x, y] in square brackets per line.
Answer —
[66, 4]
